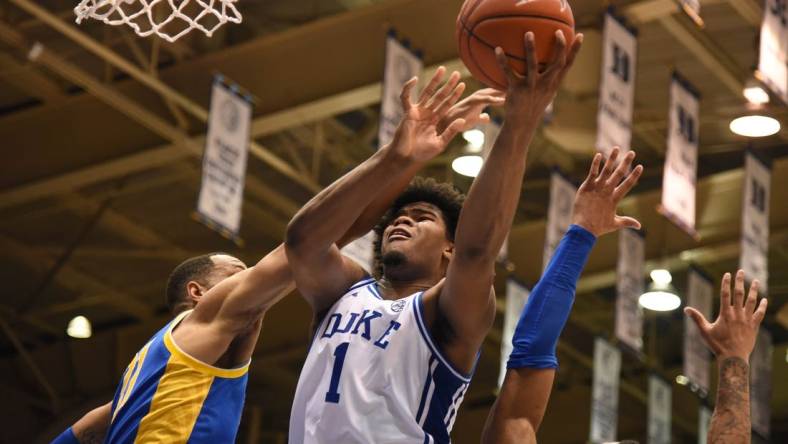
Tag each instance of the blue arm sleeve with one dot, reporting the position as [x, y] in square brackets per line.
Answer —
[67, 437]
[548, 307]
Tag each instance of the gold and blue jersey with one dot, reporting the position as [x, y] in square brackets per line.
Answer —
[168, 396]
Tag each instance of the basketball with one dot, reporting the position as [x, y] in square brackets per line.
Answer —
[482, 25]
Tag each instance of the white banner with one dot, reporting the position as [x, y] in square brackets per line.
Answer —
[617, 91]
[362, 251]
[224, 160]
[516, 297]
[629, 287]
[559, 213]
[401, 65]
[755, 221]
[704, 420]
[700, 294]
[659, 408]
[681, 158]
[604, 393]
[761, 383]
[773, 56]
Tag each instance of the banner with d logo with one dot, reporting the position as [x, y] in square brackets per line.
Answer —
[754, 258]
[617, 91]
[604, 393]
[773, 55]
[629, 287]
[559, 213]
[402, 64]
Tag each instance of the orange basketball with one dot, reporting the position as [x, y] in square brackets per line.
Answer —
[484, 24]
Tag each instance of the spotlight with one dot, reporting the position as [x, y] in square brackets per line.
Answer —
[468, 165]
[755, 126]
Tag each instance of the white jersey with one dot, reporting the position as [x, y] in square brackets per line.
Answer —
[373, 375]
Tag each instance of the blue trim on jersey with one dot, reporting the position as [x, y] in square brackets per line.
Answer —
[443, 404]
[375, 291]
[360, 284]
[425, 391]
[418, 312]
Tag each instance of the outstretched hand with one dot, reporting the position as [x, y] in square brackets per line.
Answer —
[734, 332]
[600, 193]
[419, 136]
[471, 108]
[528, 95]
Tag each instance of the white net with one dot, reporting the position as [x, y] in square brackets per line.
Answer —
[168, 19]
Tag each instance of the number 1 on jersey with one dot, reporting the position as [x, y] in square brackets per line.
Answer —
[332, 395]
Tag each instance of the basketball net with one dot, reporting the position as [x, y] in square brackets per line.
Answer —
[168, 19]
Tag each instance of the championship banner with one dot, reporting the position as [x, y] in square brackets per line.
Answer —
[604, 393]
[559, 213]
[681, 158]
[700, 294]
[755, 221]
[761, 384]
[629, 287]
[659, 408]
[402, 64]
[773, 55]
[362, 251]
[516, 297]
[224, 161]
[704, 420]
[617, 90]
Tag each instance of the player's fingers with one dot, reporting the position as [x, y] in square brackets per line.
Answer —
[752, 298]
[760, 312]
[628, 183]
[444, 92]
[698, 318]
[577, 43]
[627, 222]
[621, 169]
[610, 165]
[593, 172]
[431, 87]
[558, 56]
[503, 63]
[451, 131]
[725, 295]
[738, 291]
[484, 118]
[451, 100]
[404, 96]
[532, 66]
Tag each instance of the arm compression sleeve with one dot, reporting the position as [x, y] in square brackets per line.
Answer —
[548, 307]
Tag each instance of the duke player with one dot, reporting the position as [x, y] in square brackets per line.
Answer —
[187, 384]
[521, 404]
[391, 360]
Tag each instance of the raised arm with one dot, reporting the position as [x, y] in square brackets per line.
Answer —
[466, 300]
[321, 272]
[521, 404]
[90, 429]
[732, 338]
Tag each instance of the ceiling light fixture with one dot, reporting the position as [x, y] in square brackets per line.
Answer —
[468, 165]
[756, 95]
[755, 126]
[660, 294]
[79, 328]
[475, 139]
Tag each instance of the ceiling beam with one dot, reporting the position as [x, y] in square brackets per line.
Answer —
[76, 280]
[31, 365]
[153, 82]
[29, 80]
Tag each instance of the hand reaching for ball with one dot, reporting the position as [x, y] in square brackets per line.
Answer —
[527, 96]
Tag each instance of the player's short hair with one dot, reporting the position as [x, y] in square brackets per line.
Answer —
[192, 269]
[443, 195]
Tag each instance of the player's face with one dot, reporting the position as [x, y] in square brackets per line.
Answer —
[417, 232]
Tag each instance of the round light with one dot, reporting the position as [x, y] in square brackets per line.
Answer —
[468, 165]
[755, 126]
[79, 328]
[475, 139]
[659, 300]
[661, 276]
[682, 380]
[756, 95]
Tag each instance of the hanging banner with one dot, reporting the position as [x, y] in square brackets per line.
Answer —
[224, 161]
[362, 251]
[629, 287]
[704, 420]
[761, 384]
[681, 158]
[755, 221]
[692, 8]
[559, 213]
[773, 55]
[402, 64]
[659, 408]
[516, 297]
[604, 393]
[617, 90]
[700, 294]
